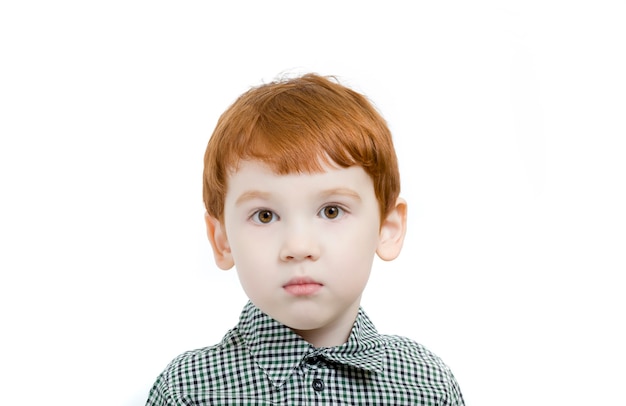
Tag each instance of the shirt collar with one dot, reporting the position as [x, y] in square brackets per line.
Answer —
[278, 351]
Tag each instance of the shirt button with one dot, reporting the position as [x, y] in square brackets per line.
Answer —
[318, 385]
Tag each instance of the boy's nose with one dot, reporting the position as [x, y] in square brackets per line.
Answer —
[299, 246]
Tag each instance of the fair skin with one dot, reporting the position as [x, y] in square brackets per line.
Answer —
[303, 244]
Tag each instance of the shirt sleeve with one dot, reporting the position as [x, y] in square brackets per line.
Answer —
[455, 398]
[159, 394]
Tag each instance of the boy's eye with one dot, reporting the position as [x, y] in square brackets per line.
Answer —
[331, 212]
[263, 217]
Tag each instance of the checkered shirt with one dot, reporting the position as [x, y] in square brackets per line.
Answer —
[263, 362]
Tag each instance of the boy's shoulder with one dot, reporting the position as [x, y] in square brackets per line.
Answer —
[234, 342]
[226, 371]
[261, 359]
[205, 357]
[189, 372]
[406, 348]
[395, 348]
[405, 356]
[397, 353]
[401, 362]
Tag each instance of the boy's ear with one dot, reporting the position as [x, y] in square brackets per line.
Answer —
[392, 231]
[219, 242]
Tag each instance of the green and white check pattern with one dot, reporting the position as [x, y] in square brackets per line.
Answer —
[262, 362]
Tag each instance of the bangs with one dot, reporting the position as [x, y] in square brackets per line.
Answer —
[305, 143]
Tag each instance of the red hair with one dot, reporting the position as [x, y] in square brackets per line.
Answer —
[296, 126]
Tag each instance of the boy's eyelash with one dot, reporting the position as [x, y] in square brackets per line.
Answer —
[338, 205]
[260, 210]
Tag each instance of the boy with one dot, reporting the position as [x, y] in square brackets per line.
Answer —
[301, 188]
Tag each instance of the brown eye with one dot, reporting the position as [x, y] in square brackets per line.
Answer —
[265, 216]
[331, 212]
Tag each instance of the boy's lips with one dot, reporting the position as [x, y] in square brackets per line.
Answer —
[302, 286]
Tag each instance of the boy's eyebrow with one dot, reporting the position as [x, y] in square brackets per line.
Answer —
[341, 191]
[257, 194]
[251, 195]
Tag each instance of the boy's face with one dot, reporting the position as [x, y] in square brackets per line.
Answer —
[303, 244]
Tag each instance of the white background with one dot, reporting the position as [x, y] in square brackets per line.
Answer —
[509, 121]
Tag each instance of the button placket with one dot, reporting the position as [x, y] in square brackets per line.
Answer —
[313, 368]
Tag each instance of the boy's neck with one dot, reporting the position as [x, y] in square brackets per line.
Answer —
[334, 334]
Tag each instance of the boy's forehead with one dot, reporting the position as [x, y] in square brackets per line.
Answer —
[254, 174]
